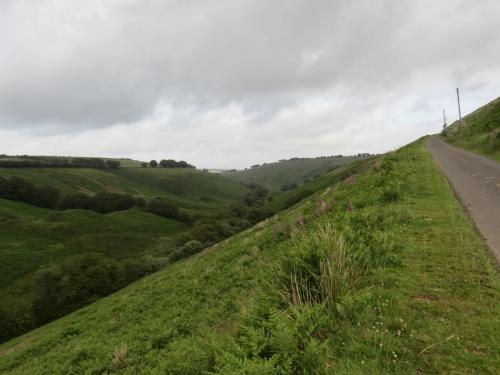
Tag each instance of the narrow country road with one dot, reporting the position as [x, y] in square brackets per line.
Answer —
[476, 181]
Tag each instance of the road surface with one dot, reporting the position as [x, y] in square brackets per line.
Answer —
[476, 180]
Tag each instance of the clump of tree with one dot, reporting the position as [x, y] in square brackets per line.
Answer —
[78, 281]
[289, 186]
[96, 163]
[103, 202]
[164, 208]
[14, 322]
[256, 196]
[170, 163]
[153, 163]
[19, 189]
[297, 197]
[25, 161]
[191, 247]
[113, 164]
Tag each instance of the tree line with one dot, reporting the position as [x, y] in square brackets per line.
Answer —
[168, 163]
[52, 162]
[22, 190]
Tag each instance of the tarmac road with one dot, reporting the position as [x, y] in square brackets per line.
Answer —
[476, 181]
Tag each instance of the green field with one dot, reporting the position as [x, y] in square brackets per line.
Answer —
[294, 171]
[478, 131]
[382, 274]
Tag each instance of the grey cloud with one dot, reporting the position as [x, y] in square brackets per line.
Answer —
[69, 66]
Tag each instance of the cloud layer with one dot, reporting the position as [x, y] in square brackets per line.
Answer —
[230, 83]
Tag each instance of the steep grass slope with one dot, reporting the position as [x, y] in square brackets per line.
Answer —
[383, 273]
[479, 131]
[196, 191]
[33, 237]
[294, 171]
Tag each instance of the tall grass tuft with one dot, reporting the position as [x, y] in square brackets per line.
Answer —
[118, 361]
[321, 270]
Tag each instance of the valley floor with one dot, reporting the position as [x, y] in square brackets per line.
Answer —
[383, 274]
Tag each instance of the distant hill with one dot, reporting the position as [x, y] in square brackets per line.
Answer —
[287, 174]
[379, 273]
[478, 131]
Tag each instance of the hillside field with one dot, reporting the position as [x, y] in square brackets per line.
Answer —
[193, 190]
[479, 131]
[293, 171]
[382, 273]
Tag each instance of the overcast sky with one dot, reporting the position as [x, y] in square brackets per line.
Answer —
[237, 82]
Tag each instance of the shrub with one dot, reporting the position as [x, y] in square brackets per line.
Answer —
[13, 323]
[162, 207]
[134, 269]
[105, 202]
[88, 163]
[289, 186]
[188, 249]
[19, 189]
[170, 163]
[297, 197]
[113, 164]
[76, 282]
[153, 163]
[76, 201]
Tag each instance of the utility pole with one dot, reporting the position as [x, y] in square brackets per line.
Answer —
[444, 121]
[459, 110]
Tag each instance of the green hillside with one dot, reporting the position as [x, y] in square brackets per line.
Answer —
[293, 171]
[196, 191]
[383, 273]
[478, 131]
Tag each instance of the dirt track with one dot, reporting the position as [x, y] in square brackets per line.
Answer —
[476, 181]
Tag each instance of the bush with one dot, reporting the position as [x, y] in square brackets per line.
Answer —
[188, 249]
[153, 163]
[163, 208]
[297, 197]
[134, 269]
[13, 323]
[76, 282]
[76, 201]
[170, 163]
[105, 202]
[88, 163]
[256, 215]
[19, 189]
[113, 164]
[289, 186]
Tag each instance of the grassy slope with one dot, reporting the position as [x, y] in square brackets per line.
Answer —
[32, 237]
[190, 189]
[435, 313]
[480, 131]
[328, 179]
[275, 175]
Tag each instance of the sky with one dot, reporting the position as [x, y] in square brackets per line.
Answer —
[231, 83]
